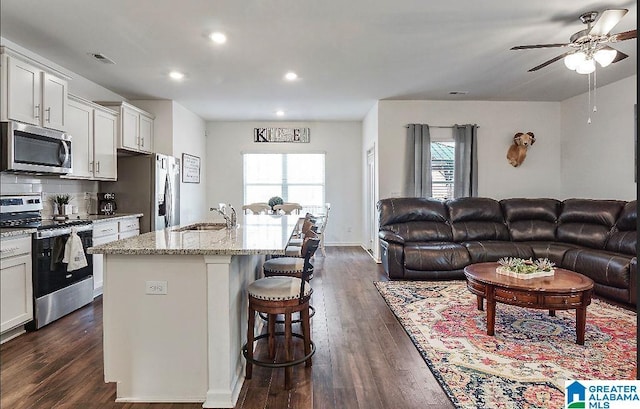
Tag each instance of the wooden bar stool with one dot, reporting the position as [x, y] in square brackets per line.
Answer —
[281, 295]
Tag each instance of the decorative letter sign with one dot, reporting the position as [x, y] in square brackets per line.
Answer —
[281, 134]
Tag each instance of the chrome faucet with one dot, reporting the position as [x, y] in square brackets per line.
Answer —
[230, 219]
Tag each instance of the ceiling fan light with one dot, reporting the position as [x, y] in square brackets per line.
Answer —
[605, 56]
[586, 67]
[572, 61]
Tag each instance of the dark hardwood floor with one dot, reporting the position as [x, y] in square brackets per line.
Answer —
[364, 358]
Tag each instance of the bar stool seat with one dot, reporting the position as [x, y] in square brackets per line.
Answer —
[284, 295]
[285, 266]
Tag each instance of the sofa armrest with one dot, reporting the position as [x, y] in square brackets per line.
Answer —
[390, 237]
[633, 281]
[392, 258]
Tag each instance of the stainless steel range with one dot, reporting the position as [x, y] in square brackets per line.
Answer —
[56, 291]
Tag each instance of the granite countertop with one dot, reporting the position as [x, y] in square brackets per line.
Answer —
[258, 234]
[16, 231]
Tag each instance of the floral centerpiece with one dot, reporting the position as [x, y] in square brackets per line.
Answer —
[525, 269]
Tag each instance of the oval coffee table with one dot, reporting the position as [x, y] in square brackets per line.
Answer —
[565, 290]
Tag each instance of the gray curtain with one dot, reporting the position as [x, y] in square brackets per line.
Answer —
[465, 174]
[418, 170]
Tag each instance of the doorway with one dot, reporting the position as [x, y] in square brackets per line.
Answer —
[371, 223]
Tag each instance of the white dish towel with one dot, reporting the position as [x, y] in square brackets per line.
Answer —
[74, 252]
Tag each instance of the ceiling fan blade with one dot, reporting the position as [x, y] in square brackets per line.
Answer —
[620, 56]
[627, 35]
[607, 20]
[551, 61]
[528, 47]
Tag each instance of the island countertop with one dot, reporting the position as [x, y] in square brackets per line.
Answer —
[258, 234]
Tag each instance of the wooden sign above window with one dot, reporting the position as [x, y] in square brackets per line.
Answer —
[281, 134]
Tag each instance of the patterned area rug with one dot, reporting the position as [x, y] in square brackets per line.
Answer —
[526, 363]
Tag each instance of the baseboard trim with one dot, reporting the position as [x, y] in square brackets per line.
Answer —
[378, 261]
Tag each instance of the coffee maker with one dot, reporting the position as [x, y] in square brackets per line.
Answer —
[107, 203]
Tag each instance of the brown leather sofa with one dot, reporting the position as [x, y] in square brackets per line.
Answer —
[426, 239]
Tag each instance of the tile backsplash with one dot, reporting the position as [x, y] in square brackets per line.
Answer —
[49, 187]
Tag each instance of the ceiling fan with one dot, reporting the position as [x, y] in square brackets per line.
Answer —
[591, 43]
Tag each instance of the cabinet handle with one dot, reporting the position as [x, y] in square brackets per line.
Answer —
[37, 107]
[142, 143]
[98, 171]
[48, 111]
[91, 165]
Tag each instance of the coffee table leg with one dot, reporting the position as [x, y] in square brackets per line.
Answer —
[491, 316]
[581, 320]
[552, 313]
[480, 303]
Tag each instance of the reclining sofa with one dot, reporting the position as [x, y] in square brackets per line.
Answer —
[426, 239]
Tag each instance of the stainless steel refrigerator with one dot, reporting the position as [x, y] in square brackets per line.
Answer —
[150, 185]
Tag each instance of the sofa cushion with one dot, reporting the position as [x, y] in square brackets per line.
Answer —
[603, 267]
[435, 256]
[411, 209]
[623, 238]
[486, 251]
[531, 219]
[587, 222]
[476, 218]
[552, 250]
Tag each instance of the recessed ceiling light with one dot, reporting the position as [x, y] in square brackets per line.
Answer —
[218, 38]
[291, 76]
[280, 113]
[176, 75]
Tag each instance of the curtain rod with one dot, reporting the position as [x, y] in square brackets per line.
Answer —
[444, 127]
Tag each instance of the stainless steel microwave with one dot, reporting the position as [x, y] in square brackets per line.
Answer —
[29, 148]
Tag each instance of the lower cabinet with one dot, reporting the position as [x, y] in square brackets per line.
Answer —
[16, 290]
[106, 232]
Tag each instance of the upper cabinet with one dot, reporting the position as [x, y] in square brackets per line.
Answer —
[32, 95]
[135, 131]
[94, 130]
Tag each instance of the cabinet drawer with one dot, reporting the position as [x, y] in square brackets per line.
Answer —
[129, 225]
[15, 247]
[104, 229]
[515, 297]
[562, 300]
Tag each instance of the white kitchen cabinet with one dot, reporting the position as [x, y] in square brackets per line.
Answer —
[32, 95]
[16, 291]
[106, 232]
[135, 130]
[94, 131]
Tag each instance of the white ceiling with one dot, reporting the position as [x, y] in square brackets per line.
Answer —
[348, 53]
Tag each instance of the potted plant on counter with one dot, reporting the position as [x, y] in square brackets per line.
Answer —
[275, 200]
[62, 204]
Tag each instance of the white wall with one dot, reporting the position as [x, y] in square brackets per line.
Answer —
[598, 158]
[340, 141]
[538, 176]
[189, 136]
[176, 131]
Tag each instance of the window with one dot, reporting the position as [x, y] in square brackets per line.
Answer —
[442, 161]
[296, 177]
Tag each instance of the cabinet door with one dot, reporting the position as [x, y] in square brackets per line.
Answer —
[54, 102]
[130, 129]
[16, 293]
[80, 127]
[146, 134]
[24, 92]
[104, 148]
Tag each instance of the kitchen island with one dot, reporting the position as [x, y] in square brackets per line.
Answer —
[175, 308]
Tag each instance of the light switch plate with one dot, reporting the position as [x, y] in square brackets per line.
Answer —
[156, 287]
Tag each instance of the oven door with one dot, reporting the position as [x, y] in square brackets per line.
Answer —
[34, 149]
[49, 272]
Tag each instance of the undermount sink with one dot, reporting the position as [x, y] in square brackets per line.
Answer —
[202, 226]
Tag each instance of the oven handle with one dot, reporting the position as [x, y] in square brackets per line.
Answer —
[66, 153]
[43, 234]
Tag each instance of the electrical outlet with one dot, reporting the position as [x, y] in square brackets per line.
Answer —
[156, 287]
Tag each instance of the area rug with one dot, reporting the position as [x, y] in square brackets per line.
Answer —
[527, 362]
